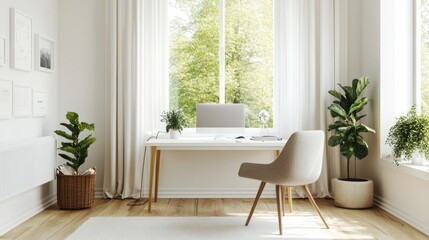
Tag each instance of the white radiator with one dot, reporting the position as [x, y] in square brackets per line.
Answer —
[26, 164]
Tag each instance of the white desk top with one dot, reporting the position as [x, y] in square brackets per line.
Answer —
[214, 144]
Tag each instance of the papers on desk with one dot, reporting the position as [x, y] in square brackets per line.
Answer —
[265, 138]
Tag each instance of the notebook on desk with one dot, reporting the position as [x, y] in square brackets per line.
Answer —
[265, 138]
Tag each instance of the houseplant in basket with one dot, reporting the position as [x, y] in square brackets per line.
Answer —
[409, 137]
[75, 191]
[350, 192]
[175, 120]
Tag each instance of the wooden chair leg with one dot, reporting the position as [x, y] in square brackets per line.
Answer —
[282, 191]
[314, 204]
[261, 188]
[158, 162]
[279, 208]
[289, 198]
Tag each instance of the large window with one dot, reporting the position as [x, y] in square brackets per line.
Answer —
[422, 54]
[221, 51]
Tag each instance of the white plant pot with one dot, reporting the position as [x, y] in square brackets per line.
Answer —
[174, 134]
[353, 194]
[418, 159]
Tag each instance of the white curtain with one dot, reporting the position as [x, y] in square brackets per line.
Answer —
[305, 70]
[135, 95]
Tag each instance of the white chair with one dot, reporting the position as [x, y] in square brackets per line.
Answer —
[299, 164]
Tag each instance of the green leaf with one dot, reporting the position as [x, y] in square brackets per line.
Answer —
[360, 117]
[84, 125]
[361, 148]
[364, 128]
[354, 86]
[334, 140]
[74, 166]
[73, 118]
[69, 149]
[70, 127]
[336, 125]
[349, 92]
[63, 134]
[352, 118]
[84, 144]
[67, 157]
[360, 85]
[347, 150]
[337, 111]
[358, 105]
[335, 94]
[66, 144]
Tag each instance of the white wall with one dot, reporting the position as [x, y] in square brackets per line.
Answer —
[82, 81]
[44, 14]
[384, 59]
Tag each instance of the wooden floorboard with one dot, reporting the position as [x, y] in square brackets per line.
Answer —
[373, 223]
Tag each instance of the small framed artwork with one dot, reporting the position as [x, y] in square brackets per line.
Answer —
[45, 53]
[5, 99]
[2, 52]
[22, 101]
[21, 40]
[40, 103]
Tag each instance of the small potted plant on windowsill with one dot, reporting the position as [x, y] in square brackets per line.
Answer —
[409, 137]
[75, 190]
[175, 120]
[350, 192]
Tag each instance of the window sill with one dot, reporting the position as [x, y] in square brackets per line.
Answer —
[421, 172]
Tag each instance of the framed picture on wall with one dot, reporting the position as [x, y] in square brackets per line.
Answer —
[22, 101]
[21, 40]
[45, 53]
[5, 99]
[40, 103]
[2, 51]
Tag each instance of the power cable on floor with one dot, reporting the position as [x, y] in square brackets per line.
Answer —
[142, 201]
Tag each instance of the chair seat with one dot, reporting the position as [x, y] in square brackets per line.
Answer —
[268, 173]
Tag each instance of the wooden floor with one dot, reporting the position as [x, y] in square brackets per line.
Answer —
[354, 224]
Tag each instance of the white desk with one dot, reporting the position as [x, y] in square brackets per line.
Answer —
[157, 145]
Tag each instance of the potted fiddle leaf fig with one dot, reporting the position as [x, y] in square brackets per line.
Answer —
[175, 120]
[75, 190]
[350, 192]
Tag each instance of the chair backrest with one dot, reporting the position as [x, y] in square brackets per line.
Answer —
[300, 162]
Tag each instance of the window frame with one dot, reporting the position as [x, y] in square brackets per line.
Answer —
[222, 79]
[406, 166]
[417, 55]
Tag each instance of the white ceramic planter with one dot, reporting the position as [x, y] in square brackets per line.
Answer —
[174, 134]
[418, 159]
[353, 194]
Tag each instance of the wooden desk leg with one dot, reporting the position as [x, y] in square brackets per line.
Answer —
[158, 160]
[289, 197]
[152, 171]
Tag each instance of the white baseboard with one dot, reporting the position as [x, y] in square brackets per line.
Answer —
[29, 213]
[206, 193]
[394, 210]
[212, 193]
[202, 193]
[99, 193]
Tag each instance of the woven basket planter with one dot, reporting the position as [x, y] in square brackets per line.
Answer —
[75, 191]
